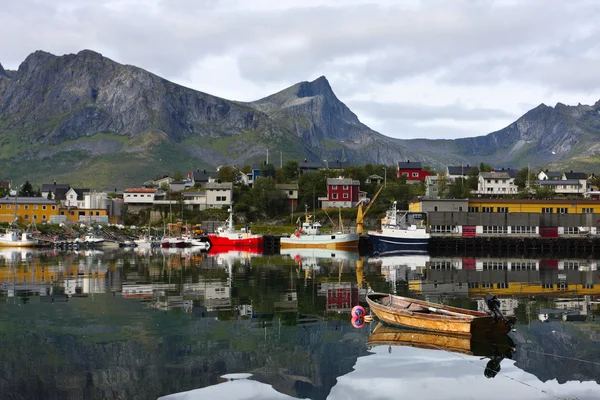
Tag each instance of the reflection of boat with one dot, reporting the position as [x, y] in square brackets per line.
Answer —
[227, 235]
[16, 238]
[495, 347]
[310, 235]
[394, 259]
[397, 234]
[241, 251]
[420, 314]
[309, 258]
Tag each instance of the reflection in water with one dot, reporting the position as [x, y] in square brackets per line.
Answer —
[143, 323]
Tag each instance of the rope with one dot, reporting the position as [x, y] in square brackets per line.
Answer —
[565, 357]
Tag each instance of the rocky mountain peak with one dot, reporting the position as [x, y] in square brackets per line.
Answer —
[3, 73]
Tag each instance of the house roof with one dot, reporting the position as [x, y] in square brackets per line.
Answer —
[409, 164]
[193, 194]
[460, 169]
[286, 186]
[337, 164]
[553, 174]
[51, 187]
[575, 175]
[26, 200]
[203, 175]
[80, 192]
[510, 171]
[309, 165]
[494, 175]
[555, 182]
[219, 185]
[375, 176]
[140, 190]
[60, 193]
[342, 181]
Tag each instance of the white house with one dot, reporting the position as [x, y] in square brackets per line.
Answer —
[496, 183]
[218, 194]
[75, 197]
[139, 196]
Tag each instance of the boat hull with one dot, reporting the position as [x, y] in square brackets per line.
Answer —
[216, 240]
[332, 242]
[20, 243]
[418, 314]
[382, 242]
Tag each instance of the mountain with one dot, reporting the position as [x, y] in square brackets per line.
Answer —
[85, 119]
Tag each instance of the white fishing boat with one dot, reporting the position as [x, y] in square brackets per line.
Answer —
[14, 237]
[397, 234]
[310, 235]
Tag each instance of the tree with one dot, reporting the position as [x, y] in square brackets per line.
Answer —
[267, 198]
[522, 177]
[268, 170]
[442, 184]
[229, 174]
[291, 170]
[483, 167]
[50, 196]
[178, 176]
[26, 190]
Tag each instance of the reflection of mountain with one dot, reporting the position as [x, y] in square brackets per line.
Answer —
[96, 355]
[561, 351]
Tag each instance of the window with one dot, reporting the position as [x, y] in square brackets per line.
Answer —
[43, 207]
[502, 209]
[487, 285]
[35, 216]
[495, 265]
[26, 217]
[35, 207]
[8, 206]
[345, 187]
[82, 213]
[494, 229]
[26, 207]
[573, 230]
[442, 228]
[441, 265]
[587, 210]
[290, 193]
[460, 208]
[522, 229]
[588, 285]
[473, 209]
[333, 187]
[572, 265]
[562, 210]
[502, 285]
[523, 266]
[487, 209]
[473, 285]
[334, 195]
[435, 208]
[345, 195]
[547, 286]
[43, 217]
[97, 213]
[54, 207]
[415, 174]
[562, 286]
[546, 210]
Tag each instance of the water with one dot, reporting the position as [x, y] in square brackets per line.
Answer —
[145, 324]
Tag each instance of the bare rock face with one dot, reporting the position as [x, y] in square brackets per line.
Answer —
[52, 99]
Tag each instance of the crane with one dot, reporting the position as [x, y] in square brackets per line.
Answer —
[360, 214]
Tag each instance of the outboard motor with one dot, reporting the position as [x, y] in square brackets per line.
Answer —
[493, 305]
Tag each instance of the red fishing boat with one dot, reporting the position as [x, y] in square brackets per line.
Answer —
[227, 235]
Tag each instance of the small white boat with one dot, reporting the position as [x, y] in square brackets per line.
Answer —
[310, 235]
[16, 238]
[90, 239]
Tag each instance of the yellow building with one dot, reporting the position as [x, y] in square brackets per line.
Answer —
[87, 215]
[554, 206]
[27, 209]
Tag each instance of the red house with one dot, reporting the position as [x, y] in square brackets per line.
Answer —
[342, 192]
[412, 170]
[341, 296]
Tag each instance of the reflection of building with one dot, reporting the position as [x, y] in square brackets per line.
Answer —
[287, 301]
[508, 276]
[341, 297]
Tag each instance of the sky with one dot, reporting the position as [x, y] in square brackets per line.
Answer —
[408, 69]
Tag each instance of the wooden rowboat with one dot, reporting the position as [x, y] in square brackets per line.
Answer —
[419, 314]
